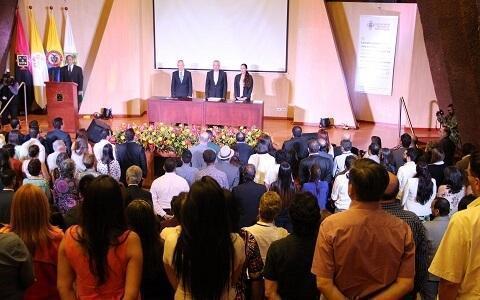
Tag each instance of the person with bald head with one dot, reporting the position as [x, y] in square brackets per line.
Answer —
[216, 82]
[197, 151]
[390, 204]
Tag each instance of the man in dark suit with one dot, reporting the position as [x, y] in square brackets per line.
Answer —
[318, 157]
[57, 134]
[216, 83]
[15, 137]
[181, 86]
[242, 149]
[134, 188]
[73, 73]
[247, 196]
[296, 147]
[399, 151]
[131, 154]
[8, 179]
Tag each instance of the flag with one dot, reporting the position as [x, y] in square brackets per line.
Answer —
[22, 53]
[54, 52]
[68, 40]
[39, 62]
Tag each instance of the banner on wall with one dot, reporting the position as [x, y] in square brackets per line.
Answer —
[39, 62]
[377, 43]
[54, 52]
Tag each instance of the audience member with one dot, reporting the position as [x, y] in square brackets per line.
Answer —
[340, 195]
[465, 202]
[337, 150]
[29, 220]
[98, 147]
[375, 139]
[467, 150]
[89, 161]
[437, 165]
[285, 187]
[205, 258]
[165, 187]
[267, 140]
[265, 231]
[55, 173]
[296, 147]
[79, 150]
[210, 170]
[316, 157]
[100, 258]
[24, 151]
[197, 151]
[317, 187]
[448, 146]
[289, 260]
[141, 219]
[386, 160]
[419, 193]
[58, 134]
[186, 170]
[262, 160]
[457, 256]
[108, 165]
[34, 169]
[15, 137]
[82, 134]
[72, 216]
[272, 173]
[65, 191]
[434, 232]
[390, 204]
[16, 164]
[33, 152]
[4, 163]
[323, 135]
[384, 266]
[242, 149]
[247, 196]
[16, 268]
[134, 188]
[399, 152]
[8, 179]
[211, 144]
[58, 147]
[374, 152]
[339, 162]
[407, 170]
[223, 164]
[130, 154]
[453, 188]
[167, 225]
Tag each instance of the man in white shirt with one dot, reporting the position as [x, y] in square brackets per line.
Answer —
[408, 170]
[216, 82]
[34, 134]
[339, 162]
[340, 187]
[165, 187]
[98, 147]
[58, 147]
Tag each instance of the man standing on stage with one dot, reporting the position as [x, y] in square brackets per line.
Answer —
[216, 83]
[73, 73]
[181, 82]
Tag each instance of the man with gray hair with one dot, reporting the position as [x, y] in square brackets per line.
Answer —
[197, 151]
[134, 188]
[58, 147]
[216, 83]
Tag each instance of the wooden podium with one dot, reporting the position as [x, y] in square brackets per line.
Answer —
[62, 101]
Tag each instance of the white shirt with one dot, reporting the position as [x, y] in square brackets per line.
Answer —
[78, 159]
[409, 198]
[32, 141]
[52, 160]
[272, 175]
[180, 75]
[263, 164]
[265, 234]
[340, 192]
[164, 188]
[98, 149]
[242, 84]
[405, 172]
[215, 76]
[339, 162]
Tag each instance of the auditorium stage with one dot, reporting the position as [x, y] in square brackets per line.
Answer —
[280, 130]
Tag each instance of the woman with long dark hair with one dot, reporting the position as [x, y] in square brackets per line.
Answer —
[243, 84]
[79, 149]
[419, 192]
[285, 187]
[204, 260]
[316, 186]
[100, 258]
[387, 160]
[108, 165]
[453, 187]
[141, 219]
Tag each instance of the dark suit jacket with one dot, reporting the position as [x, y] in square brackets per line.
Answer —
[15, 132]
[75, 76]
[247, 91]
[134, 192]
[323, 160]
[244, 151]
[57, 134]
[181, 88]
[218, 90]
[5, 204]
[247, 199]
[129, 154]
[398, 153]
[296, 145]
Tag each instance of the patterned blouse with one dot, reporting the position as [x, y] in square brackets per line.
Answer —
[65, 194]
[253, 266]
[115, 170]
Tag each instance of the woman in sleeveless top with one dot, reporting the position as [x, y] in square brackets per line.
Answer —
[100, 257]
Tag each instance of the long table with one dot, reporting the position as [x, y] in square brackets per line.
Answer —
[201, 112]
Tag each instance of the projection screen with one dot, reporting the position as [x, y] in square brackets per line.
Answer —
[234, 32]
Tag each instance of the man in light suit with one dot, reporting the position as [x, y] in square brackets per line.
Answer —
[181, 82]
[216, 83]
[73, 73]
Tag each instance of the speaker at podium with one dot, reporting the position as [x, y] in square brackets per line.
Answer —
[62, 101]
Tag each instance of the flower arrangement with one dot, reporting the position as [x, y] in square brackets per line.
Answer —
[160, 137]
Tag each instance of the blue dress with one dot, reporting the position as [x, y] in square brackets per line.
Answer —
[319, 189]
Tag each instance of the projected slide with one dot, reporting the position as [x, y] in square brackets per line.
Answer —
[234, 32]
